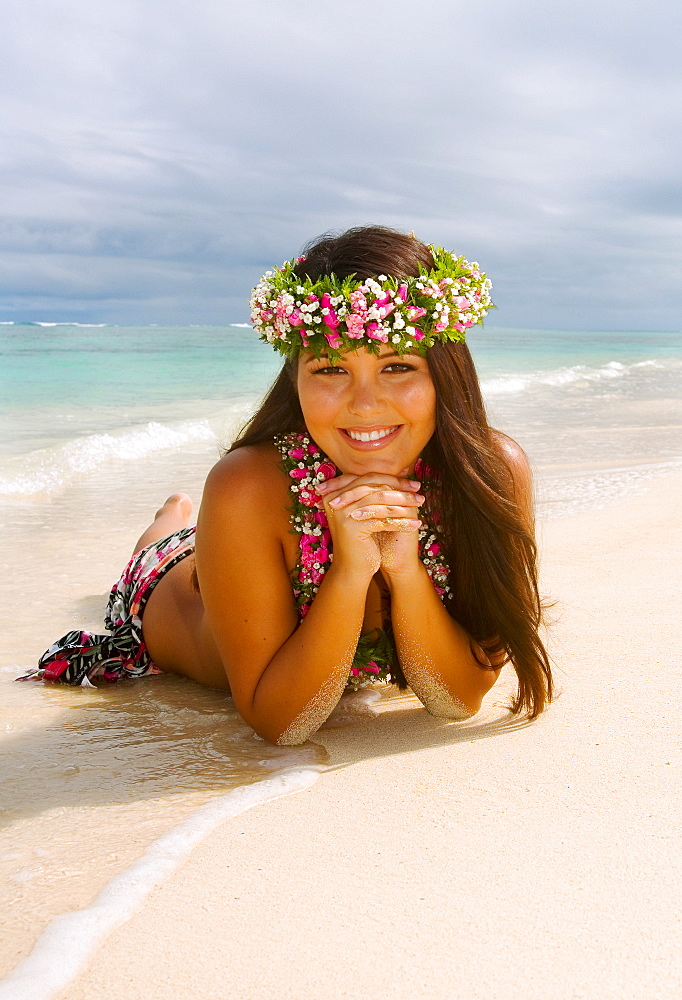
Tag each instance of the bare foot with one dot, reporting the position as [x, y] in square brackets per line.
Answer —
[177, 504]
[174, 515]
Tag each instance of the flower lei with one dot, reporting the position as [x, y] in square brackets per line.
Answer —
[335, 315]
[305, 464]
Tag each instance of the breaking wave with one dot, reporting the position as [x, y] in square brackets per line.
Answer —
[49, 469]
[520, 382]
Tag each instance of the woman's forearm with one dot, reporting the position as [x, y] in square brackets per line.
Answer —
[305, 679]
[434, 651]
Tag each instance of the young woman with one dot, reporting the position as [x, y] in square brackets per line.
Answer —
[367, 525]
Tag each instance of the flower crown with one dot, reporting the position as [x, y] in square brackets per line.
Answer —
[333, 315]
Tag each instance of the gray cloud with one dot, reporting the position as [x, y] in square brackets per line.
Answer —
[159, 155]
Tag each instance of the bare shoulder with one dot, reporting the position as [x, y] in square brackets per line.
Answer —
[513, 454]
[516, 460]
[248, 479]
[251, 468]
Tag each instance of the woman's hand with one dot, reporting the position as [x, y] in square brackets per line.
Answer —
[373, 520]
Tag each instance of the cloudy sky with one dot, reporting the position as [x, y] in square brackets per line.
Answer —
[157, 155]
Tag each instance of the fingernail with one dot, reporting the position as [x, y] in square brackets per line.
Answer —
[419, 498]
[321, 487]
[336, 502]
[414, 482]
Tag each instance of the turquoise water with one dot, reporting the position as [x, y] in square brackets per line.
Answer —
[76, 399]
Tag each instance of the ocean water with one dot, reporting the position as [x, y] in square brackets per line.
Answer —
[98, 424]
[79, 403]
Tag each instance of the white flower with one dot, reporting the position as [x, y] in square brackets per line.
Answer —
[396, 338]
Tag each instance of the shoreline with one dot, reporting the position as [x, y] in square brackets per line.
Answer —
[424, 841]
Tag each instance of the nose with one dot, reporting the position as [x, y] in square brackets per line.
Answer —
[365, 398]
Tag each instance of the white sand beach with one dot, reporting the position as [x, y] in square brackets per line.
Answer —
[491, 858]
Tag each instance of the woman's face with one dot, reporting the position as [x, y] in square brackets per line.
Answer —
[368, 413]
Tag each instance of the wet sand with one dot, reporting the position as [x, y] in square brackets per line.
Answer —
[488, 859]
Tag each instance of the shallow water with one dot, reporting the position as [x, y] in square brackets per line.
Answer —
[90, 777]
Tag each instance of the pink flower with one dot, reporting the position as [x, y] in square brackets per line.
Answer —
[320, 517]
[358, 303]
[333, 339]
[421, 469]
[415, 312]
[418, 334]
[309, 497]
[354, 672]
[355, 325]
[329, 316]
[433, 549]
[303, 610]
[322, 555]
[384, 306]
[327, 470]
[372, 668]
[296, 453]
[295, 317]
[298, 473]
[376, 332]
[402, 292]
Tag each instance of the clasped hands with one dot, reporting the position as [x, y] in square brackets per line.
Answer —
[373, 518]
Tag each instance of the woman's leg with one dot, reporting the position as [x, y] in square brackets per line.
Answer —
[175, 514]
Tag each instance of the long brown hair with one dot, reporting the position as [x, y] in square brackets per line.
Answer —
[487, 541]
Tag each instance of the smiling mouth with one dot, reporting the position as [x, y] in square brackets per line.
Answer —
[375, 434]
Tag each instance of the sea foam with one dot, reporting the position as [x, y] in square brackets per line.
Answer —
[52, 964]
[521, 382]
[50, 469]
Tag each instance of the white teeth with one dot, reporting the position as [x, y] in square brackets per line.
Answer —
[369, 435]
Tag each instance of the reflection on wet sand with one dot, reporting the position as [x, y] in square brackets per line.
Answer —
[90, 777]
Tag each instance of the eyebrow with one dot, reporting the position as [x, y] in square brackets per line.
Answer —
[380, 357]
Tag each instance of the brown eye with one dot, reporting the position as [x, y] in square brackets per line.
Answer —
[400, 367]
